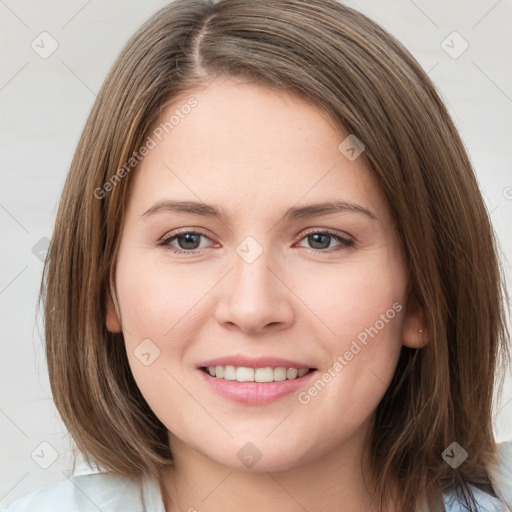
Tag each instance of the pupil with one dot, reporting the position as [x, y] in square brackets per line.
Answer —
[188, 240]
[315, 238]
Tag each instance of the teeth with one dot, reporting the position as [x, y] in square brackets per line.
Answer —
[229, 373]
[264, 375]
[291, 373]
[244, 374]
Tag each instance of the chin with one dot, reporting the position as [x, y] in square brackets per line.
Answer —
[254, 459]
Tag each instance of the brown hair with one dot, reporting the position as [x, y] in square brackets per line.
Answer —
[370, 86]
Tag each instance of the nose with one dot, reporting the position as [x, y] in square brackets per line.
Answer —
[256, 297]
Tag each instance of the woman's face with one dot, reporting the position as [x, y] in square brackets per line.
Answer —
[257, 283]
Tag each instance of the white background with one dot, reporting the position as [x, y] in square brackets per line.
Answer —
[44, 104]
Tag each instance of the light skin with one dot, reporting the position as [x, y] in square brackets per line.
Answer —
[255, 153]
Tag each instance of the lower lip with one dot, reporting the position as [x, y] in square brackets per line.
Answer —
[256, 393]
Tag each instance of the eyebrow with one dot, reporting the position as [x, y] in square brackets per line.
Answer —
[295, 212]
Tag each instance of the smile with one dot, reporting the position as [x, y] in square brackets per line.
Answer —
[245, 374]
[238, 383]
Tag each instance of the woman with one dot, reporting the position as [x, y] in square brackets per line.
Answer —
[258, 367]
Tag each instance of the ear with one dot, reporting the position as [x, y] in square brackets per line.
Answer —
[113, 320]
[415, 334]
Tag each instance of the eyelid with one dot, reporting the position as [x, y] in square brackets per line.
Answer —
[165, 241]
[335, 233]
[345, 240]
[179, 231]
[344, 236]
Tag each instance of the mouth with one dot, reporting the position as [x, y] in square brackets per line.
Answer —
[259, 375]
[255, 386]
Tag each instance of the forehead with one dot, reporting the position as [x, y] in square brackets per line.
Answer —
[242, 143]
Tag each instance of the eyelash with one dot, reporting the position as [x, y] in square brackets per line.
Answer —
[345, 242]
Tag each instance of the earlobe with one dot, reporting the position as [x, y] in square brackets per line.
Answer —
[415, 334]
[113, 320]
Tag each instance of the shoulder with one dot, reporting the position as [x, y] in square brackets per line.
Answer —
[454, 502]
[90, 493]
[502, 474]
[501, 477]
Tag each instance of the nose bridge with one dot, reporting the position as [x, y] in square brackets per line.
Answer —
[251, 271]
[254, 296]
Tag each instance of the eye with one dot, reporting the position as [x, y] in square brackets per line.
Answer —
[187, 241]
[321, 239]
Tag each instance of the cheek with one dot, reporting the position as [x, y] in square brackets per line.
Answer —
[169, 303]
[354, 312]
[154, 302]
[363, 307]
[156, 315]
[367, 320]
[370, 289]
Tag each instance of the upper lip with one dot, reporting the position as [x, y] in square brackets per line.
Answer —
[249, 362]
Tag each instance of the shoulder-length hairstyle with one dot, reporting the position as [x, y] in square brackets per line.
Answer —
[370, 86]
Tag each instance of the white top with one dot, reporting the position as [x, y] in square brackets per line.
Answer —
[112, 493]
